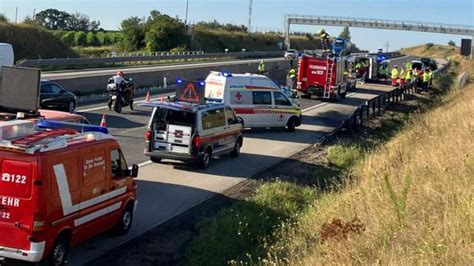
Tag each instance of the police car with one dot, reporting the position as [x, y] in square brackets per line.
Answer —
[191, 129]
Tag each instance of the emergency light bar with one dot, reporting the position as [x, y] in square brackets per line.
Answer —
[52, 124]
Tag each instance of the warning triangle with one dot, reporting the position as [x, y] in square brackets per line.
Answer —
[189, 94]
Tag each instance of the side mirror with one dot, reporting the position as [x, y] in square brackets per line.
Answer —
[134, 171]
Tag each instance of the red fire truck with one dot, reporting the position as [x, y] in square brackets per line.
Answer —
[322, 76]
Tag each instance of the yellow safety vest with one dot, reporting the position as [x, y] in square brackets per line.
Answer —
[426, 77]
[402, 74]
[408, 75]
[261, 67]
[292, 73]
[394, 73]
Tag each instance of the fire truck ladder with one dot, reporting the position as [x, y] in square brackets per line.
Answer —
[329, 73]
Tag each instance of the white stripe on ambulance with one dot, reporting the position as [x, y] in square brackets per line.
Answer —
[66, 201]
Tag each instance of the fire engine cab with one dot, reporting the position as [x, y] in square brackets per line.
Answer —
[322, 76]
[60, 186]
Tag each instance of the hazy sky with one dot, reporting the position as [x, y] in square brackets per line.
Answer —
[268, 14]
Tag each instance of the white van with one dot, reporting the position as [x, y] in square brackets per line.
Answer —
[6, 56]
[256, 99]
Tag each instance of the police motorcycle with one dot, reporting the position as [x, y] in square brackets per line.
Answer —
[120, 95]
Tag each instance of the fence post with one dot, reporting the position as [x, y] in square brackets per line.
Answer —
[373, 108]
[378, 103]
[368, 109]
[361, 114]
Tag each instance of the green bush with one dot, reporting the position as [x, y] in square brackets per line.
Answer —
[91, 39]
[103, 38]
[80, 38]
[247, 228]
[69, 38]
[115, 37]
[32, 42]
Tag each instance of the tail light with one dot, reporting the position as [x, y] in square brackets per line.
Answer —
[197, 141]
[38, 222]
[148, 135]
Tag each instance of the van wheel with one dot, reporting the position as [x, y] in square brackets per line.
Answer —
[236, 152]
[58, 252]
[155, 159]
[205, 160]
[291, 125]
[126, 220]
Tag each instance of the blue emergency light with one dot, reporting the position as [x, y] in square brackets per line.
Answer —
[226, 74]
[53, 124]
[179, 81]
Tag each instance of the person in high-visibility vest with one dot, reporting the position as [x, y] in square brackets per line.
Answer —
[408, 77]
[394, 75]
[261, 67]
[426, 79]
[324, 39]
[291, 81]
[402, 76]
[415, 79]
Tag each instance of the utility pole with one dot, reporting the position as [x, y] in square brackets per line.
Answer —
[250, 16]
[34, 13]
[16, 15]
[387, 44]
[187, 8]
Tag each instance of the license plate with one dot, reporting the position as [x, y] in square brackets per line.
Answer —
[114, 97]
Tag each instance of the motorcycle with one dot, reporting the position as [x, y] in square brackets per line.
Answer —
[120, 97]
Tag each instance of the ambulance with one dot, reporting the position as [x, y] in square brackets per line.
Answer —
[256, 99]
[60, 187]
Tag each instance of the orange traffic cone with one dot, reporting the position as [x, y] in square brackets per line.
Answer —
[103, 123]
[147, 98]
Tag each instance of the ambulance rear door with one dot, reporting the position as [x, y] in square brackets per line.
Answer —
[18, 199]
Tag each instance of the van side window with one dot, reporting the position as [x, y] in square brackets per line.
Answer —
[231, 119]
[262, 97]
[118, 164]
[281, 99]
[213, 119]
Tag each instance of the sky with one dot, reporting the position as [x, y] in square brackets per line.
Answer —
[269, 14]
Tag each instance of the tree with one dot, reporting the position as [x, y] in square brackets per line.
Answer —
[91, 39]
[53, 19]
[133, 31]
[346, 33]
[69, 38]
[104, 39]
[80, 38]
[164, 32]
[451, 43]
[79, 22]
[3, 18]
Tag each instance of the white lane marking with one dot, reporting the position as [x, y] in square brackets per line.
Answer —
[65, 194]
[105, 107]
[97, 214]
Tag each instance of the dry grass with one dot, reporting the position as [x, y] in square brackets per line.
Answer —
[435, 51]
[414, 198]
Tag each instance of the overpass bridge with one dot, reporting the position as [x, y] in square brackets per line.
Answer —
[384, 24]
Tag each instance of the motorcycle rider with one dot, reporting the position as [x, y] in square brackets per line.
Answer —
[120, 86]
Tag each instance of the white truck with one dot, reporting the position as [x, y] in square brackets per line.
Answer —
[6, 56]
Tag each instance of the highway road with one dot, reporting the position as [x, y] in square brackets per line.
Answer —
[70, 74]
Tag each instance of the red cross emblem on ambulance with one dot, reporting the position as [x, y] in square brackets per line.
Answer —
[238, 96]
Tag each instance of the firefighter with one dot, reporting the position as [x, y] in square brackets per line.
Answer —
[324, 40]
[408, 77]
[426, 79]
[261, 67]
[394, 75]
[416, 79]
[402, 76]
[430, 86]
[291, 79]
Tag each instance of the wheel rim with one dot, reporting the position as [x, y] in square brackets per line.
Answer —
[126, 219]
[71, 107]
[59, 254]
[206, 159]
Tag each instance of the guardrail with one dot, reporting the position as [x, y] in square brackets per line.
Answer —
[462, 80]
[143, 59]
[115, 54]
